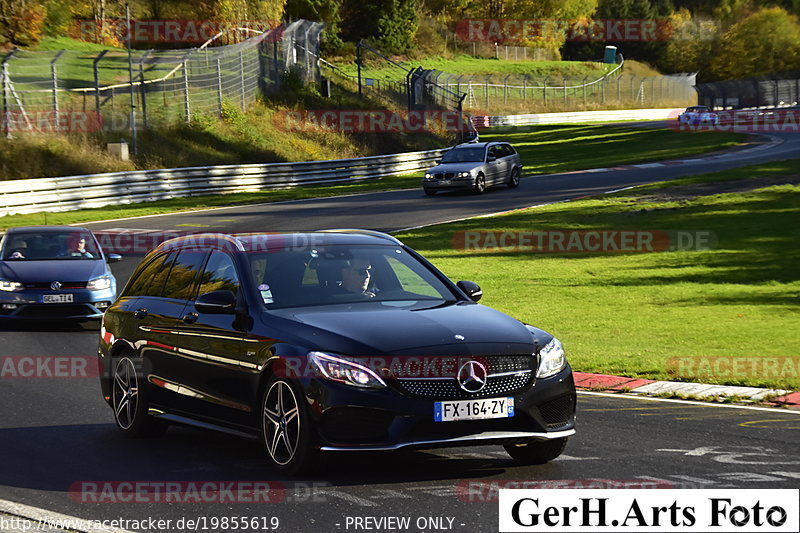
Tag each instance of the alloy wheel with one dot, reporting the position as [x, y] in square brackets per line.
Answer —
[281, 423]
[125, 393]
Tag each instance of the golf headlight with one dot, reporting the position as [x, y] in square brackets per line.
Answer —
[464, 175]
[99, 284]
[10, 285]
[344, 371]
[551, 359]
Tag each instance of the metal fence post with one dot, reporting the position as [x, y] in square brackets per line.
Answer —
[54, 76]
[603, 90]
[186, 90]
[142, 88]
[544, 89]
[524, 86]
[95, 63]
[241, 78]
[6, 93]
[565, 91]
[619, 88]
[633, 81]
[486, 92]
[505, 89]
[219, 86]
[584, 89]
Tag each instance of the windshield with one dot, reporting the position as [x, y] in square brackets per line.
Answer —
[698, 109]
[473, 154]
[343, 274]
[48, 245]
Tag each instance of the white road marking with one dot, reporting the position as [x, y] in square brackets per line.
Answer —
[691, 402]
[57, 521]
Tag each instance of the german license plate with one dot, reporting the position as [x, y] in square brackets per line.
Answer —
[473, 409]
[444, 182]
[57, 298]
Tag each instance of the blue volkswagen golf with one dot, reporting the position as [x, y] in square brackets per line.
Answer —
[54, 272]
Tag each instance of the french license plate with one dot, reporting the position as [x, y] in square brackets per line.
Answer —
[57, 298]
[473, 409]
[444, 182]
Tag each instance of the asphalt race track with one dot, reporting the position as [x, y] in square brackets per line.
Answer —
[57, 433]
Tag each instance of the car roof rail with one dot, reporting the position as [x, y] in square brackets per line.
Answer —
[372, 233]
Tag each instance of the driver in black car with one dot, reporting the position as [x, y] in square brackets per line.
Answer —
[355, 277]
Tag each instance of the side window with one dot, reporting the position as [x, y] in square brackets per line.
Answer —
[508, 150]
[411, 281]
[182, 281]
[141, 281]
[156, 286]
[494, 151]
[219, 274]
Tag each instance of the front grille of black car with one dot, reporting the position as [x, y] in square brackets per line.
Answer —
[558, 413]
[448, 388]
[55, 310]
[64, 285]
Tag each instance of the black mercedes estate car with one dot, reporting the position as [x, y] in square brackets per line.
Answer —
[337, 340]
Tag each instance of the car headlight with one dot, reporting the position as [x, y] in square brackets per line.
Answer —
[464, 175]
[428, 176]
[551, 359]
[344, 371]
[6, 285]
[99, 284]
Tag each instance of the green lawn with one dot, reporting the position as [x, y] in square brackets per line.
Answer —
[630, 313]
[482, 67]
[547, 150]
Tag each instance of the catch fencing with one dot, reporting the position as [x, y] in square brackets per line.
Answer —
[162, 85]
[767, 91]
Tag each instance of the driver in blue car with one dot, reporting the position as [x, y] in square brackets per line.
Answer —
[78, 249]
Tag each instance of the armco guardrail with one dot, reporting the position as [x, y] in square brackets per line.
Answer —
[576, 117]
[98, 190]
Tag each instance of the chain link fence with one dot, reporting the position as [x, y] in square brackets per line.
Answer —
[775, 91]
[69, 91]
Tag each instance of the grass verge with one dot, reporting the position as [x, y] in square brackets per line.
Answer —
[549, 149]
[664, 315]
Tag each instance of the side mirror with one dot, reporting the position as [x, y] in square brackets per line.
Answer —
[216, 302]
[437, 162]
[113, 258]
[471, 289]
[491, 158]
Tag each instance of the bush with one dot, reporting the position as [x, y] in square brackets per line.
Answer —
[21, 22]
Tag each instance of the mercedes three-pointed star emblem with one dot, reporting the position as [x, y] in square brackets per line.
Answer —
[472, 376]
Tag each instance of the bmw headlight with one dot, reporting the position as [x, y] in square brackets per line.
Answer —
[551, 359]
[344, 371]
[99, 284]
[6, 285]
[428, 176]
[464, 175]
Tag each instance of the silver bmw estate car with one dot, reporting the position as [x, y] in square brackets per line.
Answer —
[474, 167]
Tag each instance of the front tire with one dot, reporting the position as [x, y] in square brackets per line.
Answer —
[536, 452]
[480, 184]
[429, 192]
[285, 427]
[129, 401]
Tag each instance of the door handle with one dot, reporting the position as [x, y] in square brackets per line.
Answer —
[140, 313]
[191, 318]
